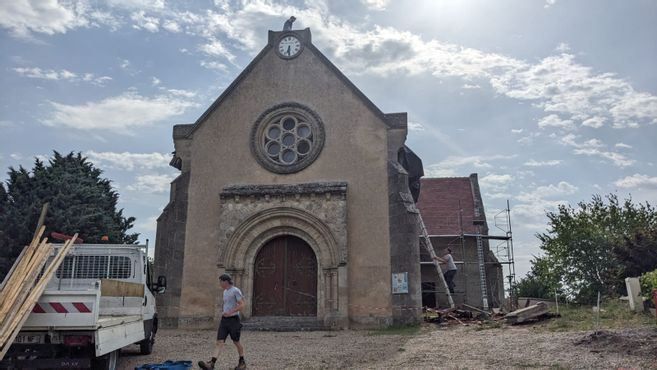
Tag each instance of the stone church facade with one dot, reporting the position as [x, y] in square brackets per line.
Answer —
[296, 184]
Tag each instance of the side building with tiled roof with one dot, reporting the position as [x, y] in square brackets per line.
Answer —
[453, 213]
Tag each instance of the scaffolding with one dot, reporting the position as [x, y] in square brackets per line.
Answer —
[503, 252]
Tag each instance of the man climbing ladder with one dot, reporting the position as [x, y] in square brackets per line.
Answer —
[426, 241]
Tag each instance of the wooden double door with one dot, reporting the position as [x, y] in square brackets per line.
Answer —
[285, 279]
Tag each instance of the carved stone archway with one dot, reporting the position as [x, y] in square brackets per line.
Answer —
[250, 220]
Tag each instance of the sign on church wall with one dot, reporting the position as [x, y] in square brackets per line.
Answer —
[400, 283]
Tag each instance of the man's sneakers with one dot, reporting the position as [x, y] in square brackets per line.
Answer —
[206, 365]
[241, 365]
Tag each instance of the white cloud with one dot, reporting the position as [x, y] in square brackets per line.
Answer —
[594, 147]
[535, 203]
[22, 17]
[183, 93]
[171, 26]
[16, 156]
[45, 74]
[548, 191]
[517, 130]
[495, 183]
[449, 166]
[137, 4]
[152, 183]
[617, 159]
[150, 24]
[415, 126]
[562, 48]
[637, 181]
[214, 65]
[554, 120]
[529, 139]
[216, 48]
[623, 145]
[120, 114]
[549, 3]
[65, 75]
[129, 161]
[125, 64]
[155, 81]
[376, 4]
[595, 122]
[471, 86]
[549, 163]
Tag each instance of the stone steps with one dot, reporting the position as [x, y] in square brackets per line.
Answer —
[283, 323]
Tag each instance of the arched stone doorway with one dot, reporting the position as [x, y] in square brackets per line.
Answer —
[285, 278]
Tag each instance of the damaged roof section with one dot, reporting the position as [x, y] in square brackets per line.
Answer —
[452, 205]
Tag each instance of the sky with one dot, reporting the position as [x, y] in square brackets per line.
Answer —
[549, 101]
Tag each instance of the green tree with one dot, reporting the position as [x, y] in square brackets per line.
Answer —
[81, 201]
[638, 253]
[540, 282]
[580, 242]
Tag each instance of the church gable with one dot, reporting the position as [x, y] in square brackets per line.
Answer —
[392, 120]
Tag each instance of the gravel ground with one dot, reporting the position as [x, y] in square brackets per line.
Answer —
[433, 347]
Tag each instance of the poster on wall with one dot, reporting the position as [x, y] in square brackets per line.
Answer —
[400, 283]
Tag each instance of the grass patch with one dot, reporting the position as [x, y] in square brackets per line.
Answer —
[397, 330]
[614, 315]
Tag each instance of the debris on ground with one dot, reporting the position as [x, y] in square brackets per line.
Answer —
[533, 312]
[463, 315]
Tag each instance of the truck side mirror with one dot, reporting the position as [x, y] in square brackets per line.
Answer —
[161, 285]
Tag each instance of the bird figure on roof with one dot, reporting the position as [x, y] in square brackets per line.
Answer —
[288, 24]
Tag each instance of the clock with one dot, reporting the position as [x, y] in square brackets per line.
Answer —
[289, 46]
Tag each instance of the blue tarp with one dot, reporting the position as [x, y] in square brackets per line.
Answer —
[167, 365]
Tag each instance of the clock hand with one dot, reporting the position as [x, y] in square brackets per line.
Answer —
[288, 50]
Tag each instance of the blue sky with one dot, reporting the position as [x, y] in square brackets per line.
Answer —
[549, 101]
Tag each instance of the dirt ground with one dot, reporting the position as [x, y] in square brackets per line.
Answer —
[453, 347]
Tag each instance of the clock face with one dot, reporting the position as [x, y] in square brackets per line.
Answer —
[289, 46]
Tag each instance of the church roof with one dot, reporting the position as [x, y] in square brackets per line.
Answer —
[392, 120]
[439, 202]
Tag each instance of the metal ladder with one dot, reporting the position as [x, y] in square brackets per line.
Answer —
[482, 273]
[426, 241]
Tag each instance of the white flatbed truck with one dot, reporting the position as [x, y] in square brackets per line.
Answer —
[97, 302]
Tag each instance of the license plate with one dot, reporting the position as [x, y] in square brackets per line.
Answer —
[29, 338]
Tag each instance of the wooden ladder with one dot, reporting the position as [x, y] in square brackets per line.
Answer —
[426, 241]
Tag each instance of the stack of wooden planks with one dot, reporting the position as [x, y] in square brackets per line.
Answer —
[25, 283]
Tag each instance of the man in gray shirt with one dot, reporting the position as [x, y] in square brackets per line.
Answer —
[230, 323]
[451, 269]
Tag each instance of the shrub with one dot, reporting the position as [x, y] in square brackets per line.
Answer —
[648, 283]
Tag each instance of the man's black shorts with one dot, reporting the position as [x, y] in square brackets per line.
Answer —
[230, 326]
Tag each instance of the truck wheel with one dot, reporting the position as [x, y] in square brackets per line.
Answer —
[146, 345]
[109, 361]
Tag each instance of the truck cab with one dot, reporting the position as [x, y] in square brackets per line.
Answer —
[98, 301]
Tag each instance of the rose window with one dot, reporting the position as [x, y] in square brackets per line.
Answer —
[287, 138]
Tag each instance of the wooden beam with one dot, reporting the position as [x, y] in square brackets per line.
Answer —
[35, 294]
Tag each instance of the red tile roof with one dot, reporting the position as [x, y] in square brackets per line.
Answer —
[439, 205]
